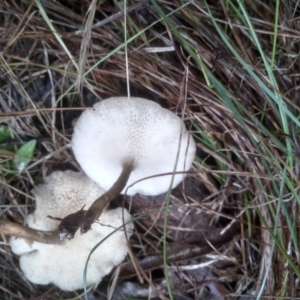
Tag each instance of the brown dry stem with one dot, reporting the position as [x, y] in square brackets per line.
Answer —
[14, 229]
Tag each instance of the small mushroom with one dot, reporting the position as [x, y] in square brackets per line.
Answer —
[63, 263]
[130, 145]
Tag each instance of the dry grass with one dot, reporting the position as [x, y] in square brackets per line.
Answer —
[245, 178]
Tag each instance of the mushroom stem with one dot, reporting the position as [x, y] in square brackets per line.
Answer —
[14, 229]
[84, 219]
[96, 209]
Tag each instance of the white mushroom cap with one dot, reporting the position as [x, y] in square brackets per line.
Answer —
[118, 130]
[63, 264]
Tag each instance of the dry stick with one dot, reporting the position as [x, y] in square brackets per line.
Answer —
[14, 229]
[84, 219]
[185, 249]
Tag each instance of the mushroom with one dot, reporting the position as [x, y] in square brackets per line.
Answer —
[63, 264]
[129, 145]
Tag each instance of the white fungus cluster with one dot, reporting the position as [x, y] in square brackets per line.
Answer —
[115, 133]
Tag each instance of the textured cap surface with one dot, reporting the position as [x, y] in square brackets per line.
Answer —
[120, 129]
[63, 264]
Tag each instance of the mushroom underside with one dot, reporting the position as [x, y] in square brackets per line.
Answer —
[155, 155]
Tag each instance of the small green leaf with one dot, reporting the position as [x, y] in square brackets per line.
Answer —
[4, 133]
[24, 155]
